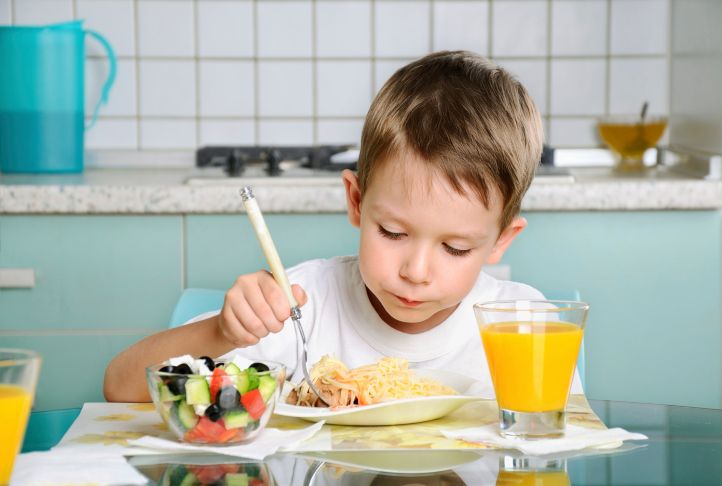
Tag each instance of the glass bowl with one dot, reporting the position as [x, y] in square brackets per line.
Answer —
[628, 137]
[228, 406]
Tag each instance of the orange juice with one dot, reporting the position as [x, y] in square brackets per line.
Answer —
[14, 408]
[532, 478]
[531, 363]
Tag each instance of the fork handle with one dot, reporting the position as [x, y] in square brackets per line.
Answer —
[269, 249]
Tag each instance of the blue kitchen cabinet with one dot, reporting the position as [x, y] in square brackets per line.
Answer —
[219, 248]
[653, 282]
[101, 283]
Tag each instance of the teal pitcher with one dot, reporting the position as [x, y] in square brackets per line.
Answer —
[42, 78]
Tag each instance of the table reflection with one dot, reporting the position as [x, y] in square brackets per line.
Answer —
[684, 447]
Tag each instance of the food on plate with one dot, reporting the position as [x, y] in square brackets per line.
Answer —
[388, 379]
[210, 402]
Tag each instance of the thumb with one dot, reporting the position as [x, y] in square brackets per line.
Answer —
[299, 294]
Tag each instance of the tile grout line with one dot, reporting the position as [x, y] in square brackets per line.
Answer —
[608, 61]
[136, 51]
[256, 76]
[12, 12]
[197, 74]
[314, 74]
[548, 75]
[372, 47]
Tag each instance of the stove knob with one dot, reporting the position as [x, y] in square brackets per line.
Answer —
[236, 163]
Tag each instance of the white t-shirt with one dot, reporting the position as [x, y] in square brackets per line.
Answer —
[338, 319]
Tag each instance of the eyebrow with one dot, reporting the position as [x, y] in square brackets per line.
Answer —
[462, 236]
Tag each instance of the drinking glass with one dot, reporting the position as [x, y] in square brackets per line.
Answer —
[532, 471]
[18, 376]
[531, 348]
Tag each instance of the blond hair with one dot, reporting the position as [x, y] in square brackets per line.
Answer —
[469, 119]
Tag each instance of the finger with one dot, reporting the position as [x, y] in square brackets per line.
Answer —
[233, 330]
[299, 294]
[276, 300]
[247, 316]
[263, 311]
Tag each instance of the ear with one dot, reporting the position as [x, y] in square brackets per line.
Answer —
[505, 239]
[353, 197]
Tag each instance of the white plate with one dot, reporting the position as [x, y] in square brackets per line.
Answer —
[396, 412]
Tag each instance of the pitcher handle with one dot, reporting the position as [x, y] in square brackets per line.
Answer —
[111, 74]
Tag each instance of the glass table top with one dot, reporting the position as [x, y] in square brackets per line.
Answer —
[684, 448]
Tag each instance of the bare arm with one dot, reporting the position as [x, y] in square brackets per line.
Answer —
[254, 307]
[125, 375]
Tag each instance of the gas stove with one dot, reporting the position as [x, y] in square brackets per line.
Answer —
[277, 161]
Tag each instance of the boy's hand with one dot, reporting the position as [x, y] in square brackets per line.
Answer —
[254, 307]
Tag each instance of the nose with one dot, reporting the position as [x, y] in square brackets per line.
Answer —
[416, 267]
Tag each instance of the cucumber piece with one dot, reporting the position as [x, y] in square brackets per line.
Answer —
[232, 369]
[243, 382]
[252, 378]
[189, 480]
[266, 385]
[187, 415]
[236, 479]
[236, 419]
[197, 392]
[166, 395]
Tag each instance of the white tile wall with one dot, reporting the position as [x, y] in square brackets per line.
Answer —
[6, 16]
[226, 88]
[519, 28]
[461, 25]
[167, 134]
[196, 72]
[285, 29]
[578, 86]
[344, 88]
[634, 81]
[167, 88]
[285, 88]
[402, 29]
[227, 132]
[33, 12]
[639, 26]
[579, 28]
[165, 28]
[115, 19]
[225, 29]
[343, 29]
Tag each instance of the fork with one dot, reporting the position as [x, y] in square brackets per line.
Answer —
[279, 274]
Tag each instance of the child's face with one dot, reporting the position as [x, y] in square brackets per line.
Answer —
[422, 243]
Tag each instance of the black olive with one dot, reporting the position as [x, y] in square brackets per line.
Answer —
[209, 362]
[213, 412]
[260, 367]
[177, 385]
[220, 364]
[167, 369]
[183, 369]
[228, 398]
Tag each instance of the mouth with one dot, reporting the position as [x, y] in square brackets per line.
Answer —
[407, 302]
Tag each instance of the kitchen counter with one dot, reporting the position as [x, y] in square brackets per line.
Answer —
[193, 191]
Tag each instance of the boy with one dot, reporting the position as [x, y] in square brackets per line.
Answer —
[448, 149]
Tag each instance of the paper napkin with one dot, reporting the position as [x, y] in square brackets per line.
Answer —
[575, 438]
[268, 442]
[67, 467]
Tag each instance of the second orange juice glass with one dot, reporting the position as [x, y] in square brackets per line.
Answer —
[531, 348]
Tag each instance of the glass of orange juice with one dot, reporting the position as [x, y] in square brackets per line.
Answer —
[532, 471]
[531, 348]
[19, 370]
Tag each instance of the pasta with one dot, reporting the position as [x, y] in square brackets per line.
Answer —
[388, 379]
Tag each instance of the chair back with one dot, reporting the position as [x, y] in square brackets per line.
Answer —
[193, 302]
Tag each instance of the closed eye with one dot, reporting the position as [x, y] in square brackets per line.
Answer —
[389, 234]
[455, 251]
